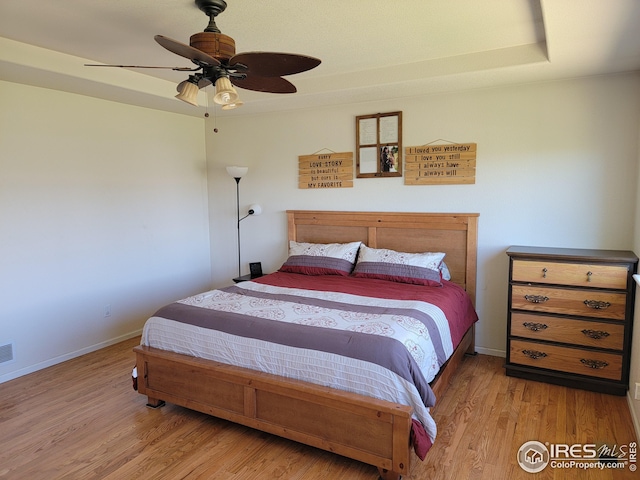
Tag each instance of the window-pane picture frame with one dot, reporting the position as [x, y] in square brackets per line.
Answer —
[379, 145]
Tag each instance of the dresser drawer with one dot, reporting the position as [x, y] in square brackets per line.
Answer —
[587, 303]
[565, 359]
[573, 274]
[567, 330]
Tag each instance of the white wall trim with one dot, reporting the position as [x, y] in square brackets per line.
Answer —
[634, 417]
[491, 351]
[68, 356]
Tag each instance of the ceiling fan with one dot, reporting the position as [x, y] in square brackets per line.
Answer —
[217, 63]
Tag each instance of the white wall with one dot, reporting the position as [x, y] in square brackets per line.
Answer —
[100, 204]
[557, 165]
[634, 375]
[105, 204]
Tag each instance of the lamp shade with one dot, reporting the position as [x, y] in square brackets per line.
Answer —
[237, 172]
[231, 106]
[189, 93]
[225, 93]
[255, 209]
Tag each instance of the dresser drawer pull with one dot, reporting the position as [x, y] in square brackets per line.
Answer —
[597, 304]
[536, 298]
[597, 364]
[595, 334]
[535, 327]
[589, 276]
[544, 272]
[534, 354]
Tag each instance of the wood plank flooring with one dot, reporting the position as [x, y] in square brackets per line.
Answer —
[82, 420]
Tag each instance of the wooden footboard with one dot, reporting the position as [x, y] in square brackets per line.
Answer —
[365, 429]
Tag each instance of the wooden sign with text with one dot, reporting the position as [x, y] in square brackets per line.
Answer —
[326, 170]
[448, 164]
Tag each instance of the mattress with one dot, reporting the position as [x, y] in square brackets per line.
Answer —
[382, 339]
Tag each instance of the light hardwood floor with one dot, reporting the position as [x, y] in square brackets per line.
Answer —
[82, 420]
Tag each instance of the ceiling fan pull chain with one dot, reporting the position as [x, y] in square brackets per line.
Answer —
[215, 117]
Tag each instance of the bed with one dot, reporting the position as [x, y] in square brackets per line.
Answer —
[377, 428]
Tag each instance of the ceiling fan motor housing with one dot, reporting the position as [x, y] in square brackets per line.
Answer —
[218, 45]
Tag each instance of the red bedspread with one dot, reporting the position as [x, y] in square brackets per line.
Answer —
[450, 298]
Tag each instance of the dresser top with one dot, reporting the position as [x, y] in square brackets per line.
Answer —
[575, 254]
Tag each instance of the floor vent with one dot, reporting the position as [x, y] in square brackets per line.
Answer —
[6, 353]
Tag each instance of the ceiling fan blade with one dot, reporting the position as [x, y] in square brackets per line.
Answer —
[272, 64]
[178, 69]
[264, 84]
[187, 51]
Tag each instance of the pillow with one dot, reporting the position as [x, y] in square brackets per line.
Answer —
[415, 268]
[321, 258]
[444, 270]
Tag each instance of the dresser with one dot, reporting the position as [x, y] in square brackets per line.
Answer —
[570, 316]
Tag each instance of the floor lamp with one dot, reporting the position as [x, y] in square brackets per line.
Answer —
[237, 173]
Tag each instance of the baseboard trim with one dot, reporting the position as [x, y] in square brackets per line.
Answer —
[67, 356]
[634, 417]
[491, 352]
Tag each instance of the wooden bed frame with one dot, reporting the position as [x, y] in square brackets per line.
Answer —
[372, 431]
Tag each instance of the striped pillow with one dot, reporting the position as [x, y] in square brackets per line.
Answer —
[321, 258]
[415, 268]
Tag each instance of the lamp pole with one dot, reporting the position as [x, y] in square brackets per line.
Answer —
[237, 173]
[237, 179]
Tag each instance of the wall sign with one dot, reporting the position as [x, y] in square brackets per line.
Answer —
[326, 170]
[447, 164]
[379, 145]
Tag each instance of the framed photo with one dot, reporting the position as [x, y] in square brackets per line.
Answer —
[255, 269]
[379, 145]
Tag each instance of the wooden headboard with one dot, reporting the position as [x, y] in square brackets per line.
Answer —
[455, 234]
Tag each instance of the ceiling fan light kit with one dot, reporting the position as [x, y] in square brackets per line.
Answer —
[231, 106]
[217, 63]
[225, 93]
[188, 92]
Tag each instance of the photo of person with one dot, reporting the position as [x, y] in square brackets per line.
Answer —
[388, 158]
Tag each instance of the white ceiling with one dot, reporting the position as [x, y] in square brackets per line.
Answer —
[370, 50]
